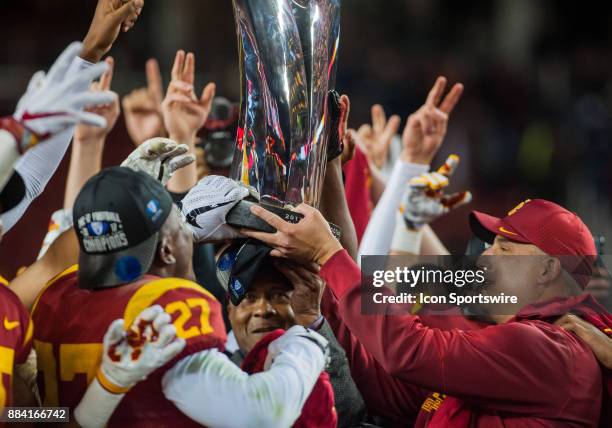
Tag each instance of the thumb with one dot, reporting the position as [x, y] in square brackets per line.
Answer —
[345, 110]
[125, 12]
[456, 199]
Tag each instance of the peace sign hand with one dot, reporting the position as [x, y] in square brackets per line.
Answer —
[376, 139]
[426, 128]
[184, 113]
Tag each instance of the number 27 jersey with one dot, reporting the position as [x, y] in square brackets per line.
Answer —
[71, 323]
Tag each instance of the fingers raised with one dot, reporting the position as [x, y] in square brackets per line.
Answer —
[435, 94]
[188, 74]
[107, 78]
[154, 80]
[179, 63]
[452, 98]
[391, 128]
[379, 118]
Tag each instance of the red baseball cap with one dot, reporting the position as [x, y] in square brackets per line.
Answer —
[550, 227]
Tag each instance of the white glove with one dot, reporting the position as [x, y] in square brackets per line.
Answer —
[160, 158]
[54, 101]
[131, 356]
[425, 201]
[295, 333]
[61, 221]
[206, 205]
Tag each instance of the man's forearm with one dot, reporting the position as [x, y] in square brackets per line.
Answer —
[377, 188]
[96, 407]
[335, 208]
[85, 162]
[377, 237]
[185, 178]
[207, 385]
[63, 253]
[431, 244]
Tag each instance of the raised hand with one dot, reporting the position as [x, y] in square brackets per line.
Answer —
[375, 139]
[53, 101]
[184, 113]
[426, 128]
[110, 111]
[424, 200]
[110, 17]
[160, 158]
[142, 108]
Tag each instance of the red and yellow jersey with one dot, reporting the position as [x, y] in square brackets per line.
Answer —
[15, 340]
[71, 323]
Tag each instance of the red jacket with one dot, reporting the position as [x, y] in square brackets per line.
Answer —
[357, 184]
[318, 410]
[526, 372]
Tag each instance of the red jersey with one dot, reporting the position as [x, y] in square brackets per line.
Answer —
[73, 322]
[15, 341]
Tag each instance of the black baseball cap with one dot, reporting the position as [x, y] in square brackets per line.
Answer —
[117, 217]
[238, 264]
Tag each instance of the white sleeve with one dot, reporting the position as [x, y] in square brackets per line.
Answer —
[37, 165]
[379, 233]
[97, 406]
[213, 391]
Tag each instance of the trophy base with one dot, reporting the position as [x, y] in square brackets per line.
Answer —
[241, 216]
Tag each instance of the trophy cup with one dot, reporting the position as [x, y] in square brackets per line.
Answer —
[288, 51]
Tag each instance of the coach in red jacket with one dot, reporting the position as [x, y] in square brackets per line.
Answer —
[522, 372]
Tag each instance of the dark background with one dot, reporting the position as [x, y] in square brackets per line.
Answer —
[534, 120]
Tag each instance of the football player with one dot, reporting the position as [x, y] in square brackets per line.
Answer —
[135, 252]
[15, 341]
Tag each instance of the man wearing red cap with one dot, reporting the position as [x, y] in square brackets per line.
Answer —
[524, 371]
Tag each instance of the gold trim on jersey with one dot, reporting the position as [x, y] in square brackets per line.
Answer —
[3, 281]
[151, 291]
[52, 281]
[29, 332]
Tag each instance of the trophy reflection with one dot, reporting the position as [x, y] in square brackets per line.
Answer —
[288, 51]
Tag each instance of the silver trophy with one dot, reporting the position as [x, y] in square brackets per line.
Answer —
[288, 51]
